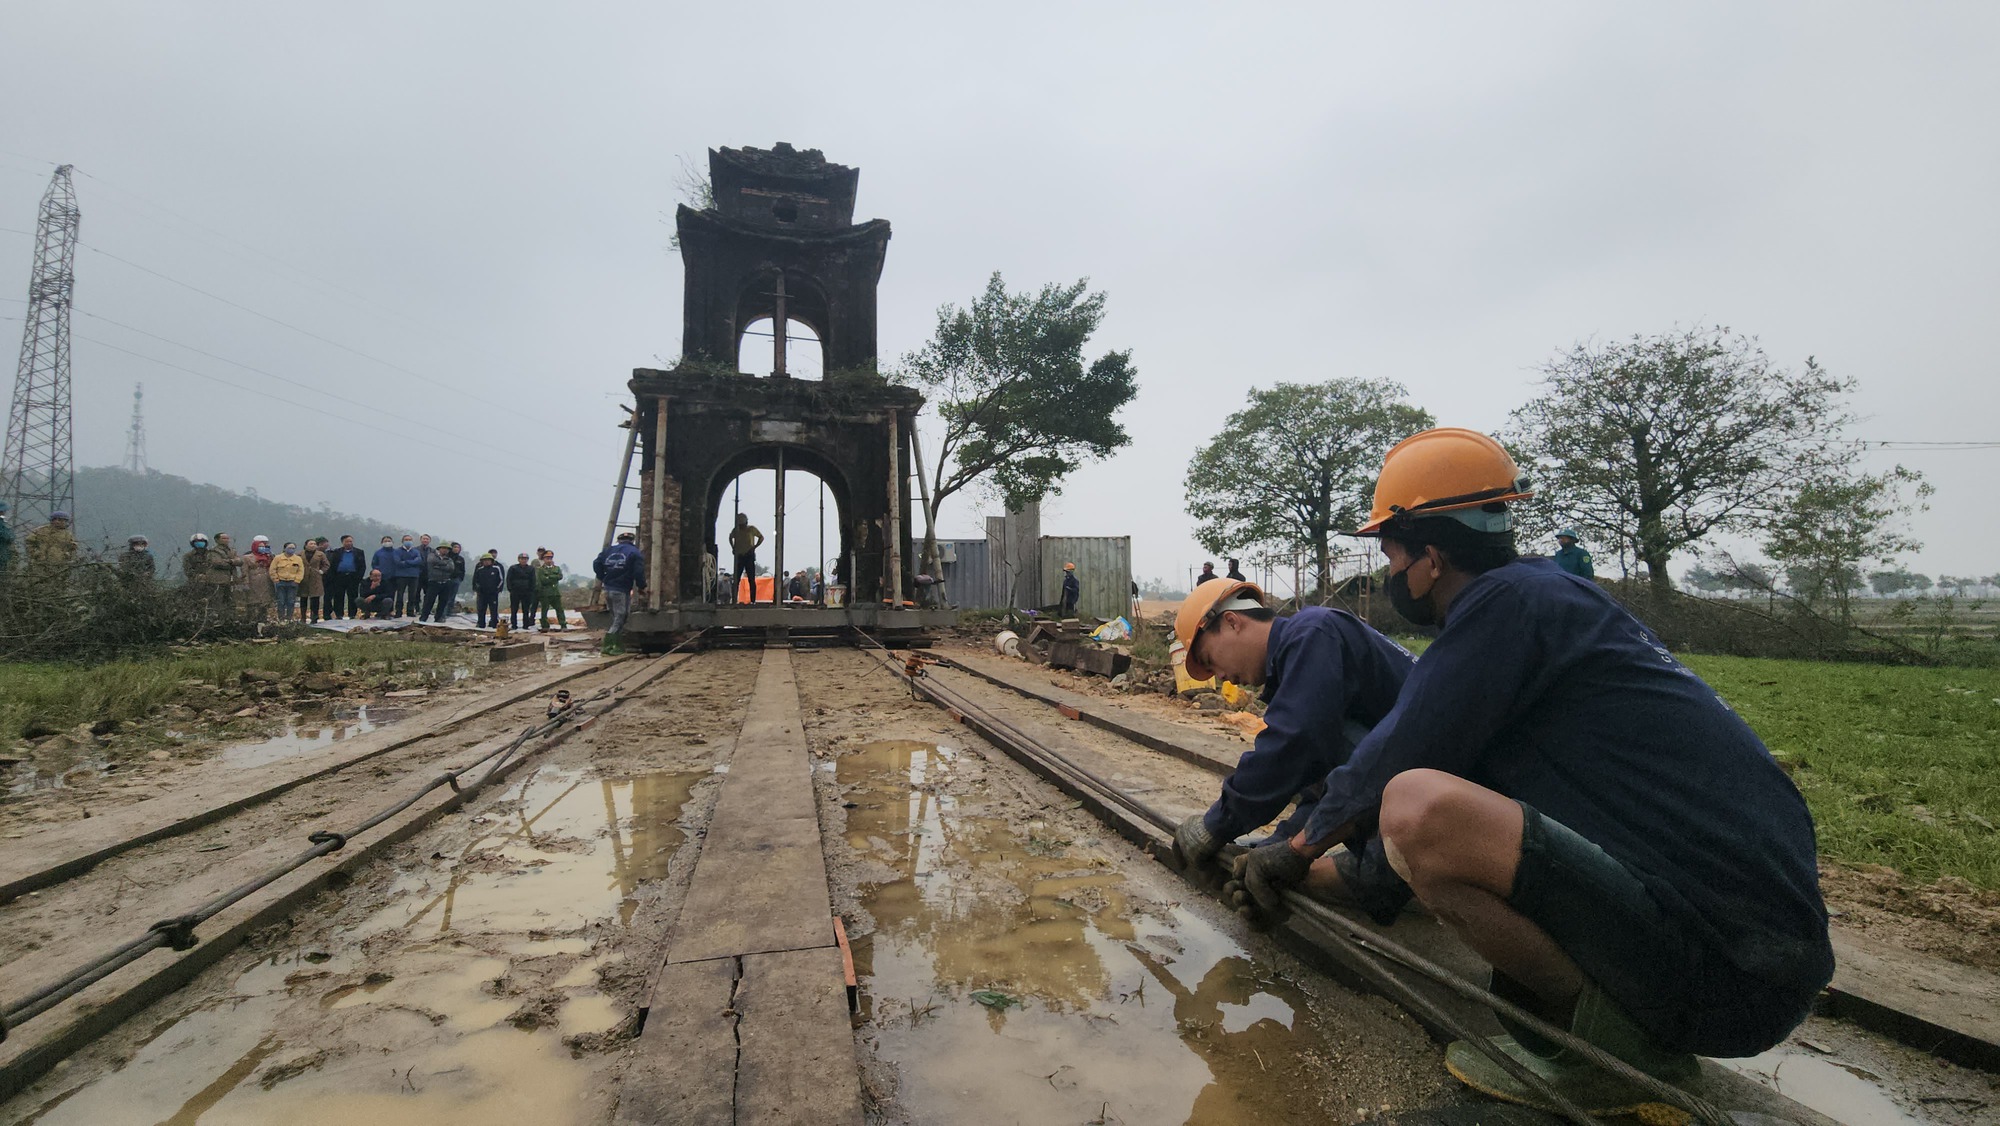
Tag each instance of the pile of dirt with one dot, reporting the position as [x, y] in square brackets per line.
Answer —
[1949, 919]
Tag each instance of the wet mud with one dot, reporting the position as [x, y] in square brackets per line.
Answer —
[490, 971]
[1018, 965]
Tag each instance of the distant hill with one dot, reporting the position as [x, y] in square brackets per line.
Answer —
[113, 504]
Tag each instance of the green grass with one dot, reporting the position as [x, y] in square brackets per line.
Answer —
[57, 697]
[1900, 766]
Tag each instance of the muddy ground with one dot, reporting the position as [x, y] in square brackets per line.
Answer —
[1947, 919]
[1022, 964]
[491, 968]
[1017, 962]
[255, 718]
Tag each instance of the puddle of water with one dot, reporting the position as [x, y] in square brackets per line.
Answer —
[422, 1029]
[589, 1013]
[574, 849]
[1845, 1094]
[1084, 1005]
[306, 737]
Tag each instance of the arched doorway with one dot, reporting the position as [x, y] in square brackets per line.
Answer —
[801, 504]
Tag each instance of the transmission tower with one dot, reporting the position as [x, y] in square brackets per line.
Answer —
[38, 473]
[135, 439]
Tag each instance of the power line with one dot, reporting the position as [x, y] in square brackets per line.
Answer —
[309, 334]
[349, 294]
[307, 406]
[303, 386]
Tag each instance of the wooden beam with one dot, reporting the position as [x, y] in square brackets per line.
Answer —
[655, 551]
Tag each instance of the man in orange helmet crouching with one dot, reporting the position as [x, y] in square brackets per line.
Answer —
[1580, 808]
[1327, 677]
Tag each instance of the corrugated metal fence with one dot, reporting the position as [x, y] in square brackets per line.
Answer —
[1103, 570]
[973, 581]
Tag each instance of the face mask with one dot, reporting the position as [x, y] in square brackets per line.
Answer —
[1416, 611]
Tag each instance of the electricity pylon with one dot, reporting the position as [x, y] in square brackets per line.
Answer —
[135, 438]
[38, 472]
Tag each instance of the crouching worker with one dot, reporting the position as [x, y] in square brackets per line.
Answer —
[1327, 678]
[1581, 809]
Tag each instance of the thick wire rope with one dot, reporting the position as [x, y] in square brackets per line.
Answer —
[1369, 945]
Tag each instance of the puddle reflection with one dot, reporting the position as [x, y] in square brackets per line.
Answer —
[471, 981]
[1007, 968]
[1843, 1093]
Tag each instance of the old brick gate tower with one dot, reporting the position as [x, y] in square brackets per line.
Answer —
[779, 243]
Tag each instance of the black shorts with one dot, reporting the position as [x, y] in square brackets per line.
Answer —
[1662, 964]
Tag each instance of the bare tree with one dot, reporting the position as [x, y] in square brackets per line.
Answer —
[1656, 443]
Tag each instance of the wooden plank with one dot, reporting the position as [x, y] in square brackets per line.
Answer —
[760, 883]
[797, 1059]
[683, 1069]
[56, 854]
[1940, 1007]
[759, 886]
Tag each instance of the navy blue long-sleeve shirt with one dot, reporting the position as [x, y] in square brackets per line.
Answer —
[1542, 688]
[1324, 672]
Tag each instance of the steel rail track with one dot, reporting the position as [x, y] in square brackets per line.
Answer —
[1359, 949]
[71, 867]
[100, 1014]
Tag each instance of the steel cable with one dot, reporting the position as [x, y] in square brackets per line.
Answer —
[1365, 944]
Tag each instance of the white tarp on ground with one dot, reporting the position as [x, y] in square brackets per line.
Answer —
[352, 625]
[465, 622]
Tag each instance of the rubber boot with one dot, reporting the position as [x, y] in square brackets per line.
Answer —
[1598, 1020]
[614, 644]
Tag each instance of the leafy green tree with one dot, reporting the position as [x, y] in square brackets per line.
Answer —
[1835, 526]
[1008, 377]
[1656, 443]
[1297, 465]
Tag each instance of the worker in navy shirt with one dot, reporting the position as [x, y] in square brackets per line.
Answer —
[1327, 678]
[1584, 811]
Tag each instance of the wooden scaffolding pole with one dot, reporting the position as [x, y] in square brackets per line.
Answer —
[655, 549]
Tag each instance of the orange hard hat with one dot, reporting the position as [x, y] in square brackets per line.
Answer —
[1446, 471]
[1203, 605]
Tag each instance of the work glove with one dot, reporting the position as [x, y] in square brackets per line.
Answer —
[1194, 845]
[1261, 877]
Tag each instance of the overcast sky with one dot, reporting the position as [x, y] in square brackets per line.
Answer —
[462, 211]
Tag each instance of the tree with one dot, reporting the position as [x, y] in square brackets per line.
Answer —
[1888, 584]
[1657, 443]
[1837, 524]
[1008, 377]
[1705, 580]
[1296, 465]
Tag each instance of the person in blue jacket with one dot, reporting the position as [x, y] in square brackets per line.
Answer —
[1579, 807]
[409, 578]
[1071, 591]
[620, 568]
[1327, 678]
[386, 561]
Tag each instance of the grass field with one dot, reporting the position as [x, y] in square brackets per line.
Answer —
[1901, 766]
[57, 697]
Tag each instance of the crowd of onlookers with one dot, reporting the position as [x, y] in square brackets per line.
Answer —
[323, 581]
[415, 578]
